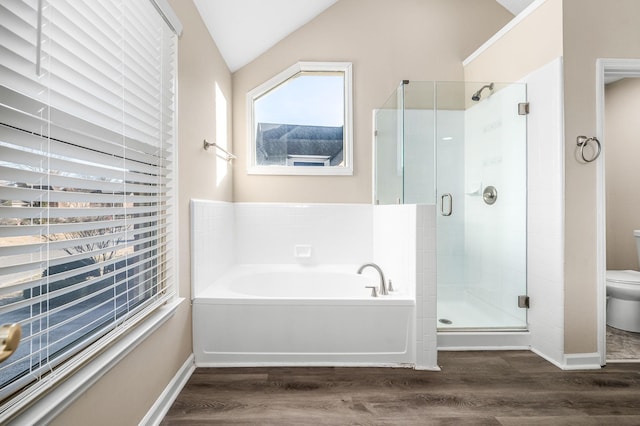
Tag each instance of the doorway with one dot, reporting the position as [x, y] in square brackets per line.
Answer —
[616, 246]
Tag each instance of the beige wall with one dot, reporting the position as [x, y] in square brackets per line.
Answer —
[534, 42]
[387, 41]
[125, 394]
[592, 29]
[622, 138]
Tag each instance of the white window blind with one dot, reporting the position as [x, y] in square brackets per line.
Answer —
[87, 96]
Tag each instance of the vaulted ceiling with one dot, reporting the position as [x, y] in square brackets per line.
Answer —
[244, 29]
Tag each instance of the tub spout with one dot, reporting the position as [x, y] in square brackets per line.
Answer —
[383, 284]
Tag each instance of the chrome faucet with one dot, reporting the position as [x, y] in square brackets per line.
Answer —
[383, 283]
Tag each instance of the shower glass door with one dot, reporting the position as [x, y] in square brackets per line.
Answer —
[481, 198]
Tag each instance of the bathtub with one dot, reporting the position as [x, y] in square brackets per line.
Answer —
[296, 315]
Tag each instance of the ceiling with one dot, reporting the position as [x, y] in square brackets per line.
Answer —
[245, 29]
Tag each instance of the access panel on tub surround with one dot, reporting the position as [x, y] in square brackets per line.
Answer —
[399, 238]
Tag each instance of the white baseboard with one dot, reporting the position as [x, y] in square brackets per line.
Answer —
[546, 357]
[585, 361]
[423, 368]
[159, 409]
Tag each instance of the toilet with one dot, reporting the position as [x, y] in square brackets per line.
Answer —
[623, 296]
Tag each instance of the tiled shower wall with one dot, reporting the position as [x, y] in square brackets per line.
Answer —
[400, 238]
[212, 242]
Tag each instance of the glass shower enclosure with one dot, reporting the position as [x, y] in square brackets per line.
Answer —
[461, 146]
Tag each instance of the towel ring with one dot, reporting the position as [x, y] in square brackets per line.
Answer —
[583, 141]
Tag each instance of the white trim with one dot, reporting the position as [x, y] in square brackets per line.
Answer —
[347, 169]
[605, 68]
[601, 221]
[547, 358]
[624, 361]
[423, 368]
[162, 405]
[585, 361]
[44, 410]
[504, 30]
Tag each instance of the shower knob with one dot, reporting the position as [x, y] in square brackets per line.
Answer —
[490, 195]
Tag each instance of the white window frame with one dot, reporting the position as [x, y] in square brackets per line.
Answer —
[345, 170]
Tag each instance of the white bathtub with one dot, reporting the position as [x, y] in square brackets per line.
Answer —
[295, 315]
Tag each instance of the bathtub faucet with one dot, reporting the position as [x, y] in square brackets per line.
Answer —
[383, 283]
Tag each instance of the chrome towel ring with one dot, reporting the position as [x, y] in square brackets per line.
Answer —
[584, 141]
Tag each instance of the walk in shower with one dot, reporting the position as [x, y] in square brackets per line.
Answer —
[462, 147]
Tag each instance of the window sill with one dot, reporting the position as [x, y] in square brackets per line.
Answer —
[300, 171]
[45, 409]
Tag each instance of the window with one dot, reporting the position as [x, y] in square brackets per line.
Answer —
[300, 121]
[87, 99]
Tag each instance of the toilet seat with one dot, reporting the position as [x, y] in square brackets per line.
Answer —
[623, 277]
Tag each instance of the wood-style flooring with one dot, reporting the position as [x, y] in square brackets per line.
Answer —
[473, 388]
[622, 345]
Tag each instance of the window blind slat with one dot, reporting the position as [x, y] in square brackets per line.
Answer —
[92, 197]
[82, 164]
[58, 228]
[104, 236]
[31, 178]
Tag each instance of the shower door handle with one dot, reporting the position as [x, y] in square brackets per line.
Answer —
[446, 211]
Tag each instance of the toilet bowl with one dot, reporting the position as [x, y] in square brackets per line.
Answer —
[623, 296]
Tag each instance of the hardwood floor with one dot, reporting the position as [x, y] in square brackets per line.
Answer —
[473, 388]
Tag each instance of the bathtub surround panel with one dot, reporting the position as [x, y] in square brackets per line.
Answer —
[273, 233]
[212, 242]
[394, 245]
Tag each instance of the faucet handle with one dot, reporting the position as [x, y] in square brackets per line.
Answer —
[374, 290]
[390, 286]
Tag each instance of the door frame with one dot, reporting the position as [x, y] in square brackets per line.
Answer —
[606, 69]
